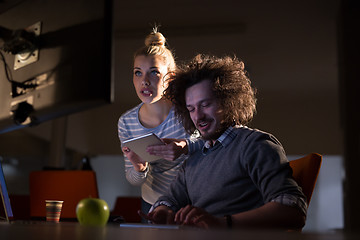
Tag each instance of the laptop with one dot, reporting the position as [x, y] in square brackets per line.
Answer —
[6, 212]
[6, 206]
[152, 226]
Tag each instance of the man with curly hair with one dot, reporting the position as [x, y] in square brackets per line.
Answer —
[241, 178]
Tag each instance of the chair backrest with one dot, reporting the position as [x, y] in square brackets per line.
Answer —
[306, 171]
[127, 207]
[69, 186]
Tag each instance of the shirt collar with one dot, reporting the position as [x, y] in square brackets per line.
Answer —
[225, 138]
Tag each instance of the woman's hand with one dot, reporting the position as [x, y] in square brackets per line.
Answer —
[139, 164]
[172, 149]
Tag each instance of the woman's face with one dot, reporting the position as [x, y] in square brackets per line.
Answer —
[148, 78]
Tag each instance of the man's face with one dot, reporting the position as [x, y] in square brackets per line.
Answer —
[205, 110]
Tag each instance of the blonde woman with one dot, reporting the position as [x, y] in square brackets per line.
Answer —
[153, 65]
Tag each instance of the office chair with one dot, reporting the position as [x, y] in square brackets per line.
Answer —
[68, 185]
[305, 173]
[127, 208]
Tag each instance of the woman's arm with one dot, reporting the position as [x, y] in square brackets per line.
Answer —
[133, 176]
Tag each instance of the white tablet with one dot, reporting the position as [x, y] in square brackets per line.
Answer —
[139, 145]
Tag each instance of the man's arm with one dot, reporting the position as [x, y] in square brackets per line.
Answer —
[173, 149]
[271, 215]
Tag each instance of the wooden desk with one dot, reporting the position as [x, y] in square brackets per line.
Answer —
[71, 231]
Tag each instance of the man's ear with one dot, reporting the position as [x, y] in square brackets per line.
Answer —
[170, 75]
[168, 78]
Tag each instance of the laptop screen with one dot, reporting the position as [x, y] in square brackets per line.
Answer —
[5, 196]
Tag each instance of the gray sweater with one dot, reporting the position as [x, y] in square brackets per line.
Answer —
[246, 170]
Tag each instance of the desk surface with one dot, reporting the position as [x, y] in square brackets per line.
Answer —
[70, 231]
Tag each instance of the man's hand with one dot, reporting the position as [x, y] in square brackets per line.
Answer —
[160, 215]
[198, 217]
[172, 149]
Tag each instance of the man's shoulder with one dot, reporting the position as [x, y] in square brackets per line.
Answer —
[247, 133]
[245, 130]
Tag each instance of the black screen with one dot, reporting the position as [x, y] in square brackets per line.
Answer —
[56, 59]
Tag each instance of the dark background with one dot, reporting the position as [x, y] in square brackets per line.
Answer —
[302, 58]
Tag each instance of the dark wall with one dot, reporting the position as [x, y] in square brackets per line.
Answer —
[289, 47]
[349, 52]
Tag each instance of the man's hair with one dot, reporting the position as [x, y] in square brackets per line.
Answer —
[230, 83]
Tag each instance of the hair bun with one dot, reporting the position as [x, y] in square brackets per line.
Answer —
[155, 39]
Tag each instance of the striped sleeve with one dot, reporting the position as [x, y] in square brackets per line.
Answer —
[127, 124]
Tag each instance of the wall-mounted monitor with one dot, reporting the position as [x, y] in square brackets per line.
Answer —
[56, 59]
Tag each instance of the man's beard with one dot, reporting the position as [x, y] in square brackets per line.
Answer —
[214, 135]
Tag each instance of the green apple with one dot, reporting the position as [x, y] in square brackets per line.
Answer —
[92, 212]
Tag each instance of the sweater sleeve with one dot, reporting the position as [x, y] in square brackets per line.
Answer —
[266, 163]
[177, 195]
